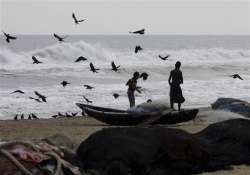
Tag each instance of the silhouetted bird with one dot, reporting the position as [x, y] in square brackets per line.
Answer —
[114, 67]
[137, 49]
[163, 58]
[41, 96]
[61, 39]
[60, 114]
[17, 91]
[67, 115]
[88, 86]
[80, 58]
[115, 95]
[29, 117]
[9, 37]
[35, 60]
[34, 116]
[76, 20]
[16, 117]
[149, 101]
[236, 76]
[54, 116]
[22, 117]
[87, 100]
[144, 76]
[141, 32]
[92, 68]
[64, 83]
[37, 99]
[74, 114]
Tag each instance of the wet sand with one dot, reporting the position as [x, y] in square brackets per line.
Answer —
[80, 128]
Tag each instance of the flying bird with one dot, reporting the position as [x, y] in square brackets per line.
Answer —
[35, 60]
[87, 100]
[137, 49]
[140, 32]
[64, 83]
[61, 39]
[17, 91]
[81, 58]
[41, 96]
[37, 99]
[144, 76]
[76, 20]
[149, 101]
[163, 58]
[88, 86]
[92, 68]
[9, 37]
[115, 95]
[236, 76]
[114, 67]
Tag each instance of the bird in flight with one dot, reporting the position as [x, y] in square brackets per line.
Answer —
[163, 58]
[64, 83]
[37, 99]
[88, 86]
[92, 68]
[35, 60]
[115, 95]
[236, 76]
[137, 49]
[87, 100]
[114, 67]
[76, 20]
[81, 58]
[17, 91]
[9, 37]
[144, 76]
[140, 32]
[59, 38]
[43, 98]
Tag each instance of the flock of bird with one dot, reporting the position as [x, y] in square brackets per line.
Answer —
[42, 98]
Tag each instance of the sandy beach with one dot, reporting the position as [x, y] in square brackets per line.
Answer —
[80, 128]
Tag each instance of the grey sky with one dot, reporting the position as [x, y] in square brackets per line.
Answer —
[119, 17]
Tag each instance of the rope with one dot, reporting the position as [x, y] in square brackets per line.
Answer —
[15, 162]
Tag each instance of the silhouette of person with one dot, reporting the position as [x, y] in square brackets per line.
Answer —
[174, 80]
[132, 87]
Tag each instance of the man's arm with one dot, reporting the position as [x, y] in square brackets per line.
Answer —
[181, 78]
[169, 78]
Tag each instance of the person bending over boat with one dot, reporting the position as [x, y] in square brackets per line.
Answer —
[132, 87]
[174, 80]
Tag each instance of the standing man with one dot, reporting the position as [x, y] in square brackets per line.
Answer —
[174, 80]
[132, 87]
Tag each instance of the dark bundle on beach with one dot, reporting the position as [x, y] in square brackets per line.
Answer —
[159, 150]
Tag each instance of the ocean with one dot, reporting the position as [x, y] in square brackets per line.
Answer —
[207, 62]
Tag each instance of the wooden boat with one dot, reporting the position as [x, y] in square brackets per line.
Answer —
[126, 118]
[116, 117]
[177, 116]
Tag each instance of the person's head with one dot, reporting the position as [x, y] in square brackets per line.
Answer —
[136, 75]
[178, 64]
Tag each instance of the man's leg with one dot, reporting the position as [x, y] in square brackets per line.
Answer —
[179, 106]
[133, 99]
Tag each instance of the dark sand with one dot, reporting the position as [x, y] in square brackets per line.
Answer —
[80, 128]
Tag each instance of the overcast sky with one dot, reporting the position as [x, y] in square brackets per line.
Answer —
[120, 16]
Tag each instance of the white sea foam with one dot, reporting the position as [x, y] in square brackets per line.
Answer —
[205, 76]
